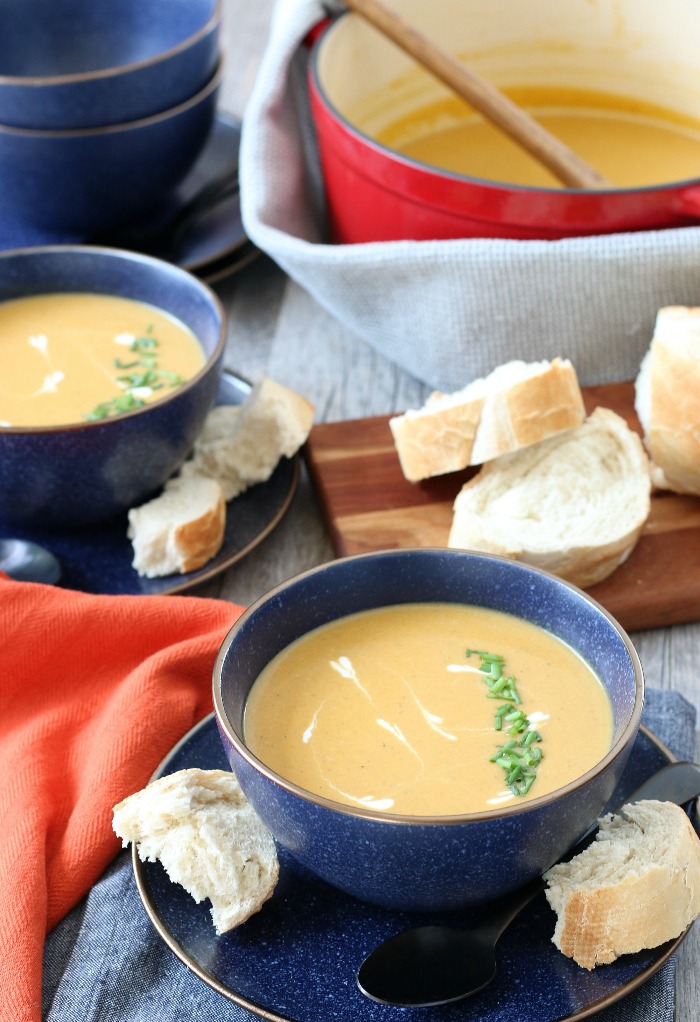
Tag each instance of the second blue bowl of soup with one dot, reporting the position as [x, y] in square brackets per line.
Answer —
[74, 473]
[430, 861]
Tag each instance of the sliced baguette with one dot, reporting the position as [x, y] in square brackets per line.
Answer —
[180, 529]
[518, 404]
[574, 504]
[242, 446]
[667, 399]
[208, 837]
[636, 886]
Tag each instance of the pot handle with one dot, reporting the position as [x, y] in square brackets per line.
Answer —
[689, 201]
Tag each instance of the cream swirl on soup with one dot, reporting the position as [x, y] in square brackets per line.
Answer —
[73, 357]
[389, 710]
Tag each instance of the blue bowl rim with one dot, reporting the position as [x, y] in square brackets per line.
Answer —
[123, 126]
[212, 23]
[123, 255]
[376, 816]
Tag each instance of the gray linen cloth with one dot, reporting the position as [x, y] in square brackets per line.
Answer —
[448, 311]
[106, 963]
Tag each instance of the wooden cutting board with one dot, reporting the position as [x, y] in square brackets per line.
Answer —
[369, 505]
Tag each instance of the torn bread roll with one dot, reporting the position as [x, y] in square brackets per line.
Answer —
[242, 446]
[667, 399]
[574, 504]
[210, 840]
[180, 529]
[636, 886]
[516, 405]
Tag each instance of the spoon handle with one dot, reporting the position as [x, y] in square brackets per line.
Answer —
[676, 782]
[566, 165]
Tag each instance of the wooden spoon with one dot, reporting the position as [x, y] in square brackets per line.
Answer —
[566, 165]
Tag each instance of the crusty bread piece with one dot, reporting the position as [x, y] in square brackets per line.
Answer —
[208, 837]
[518, 404]
[242, 446]
[574, 504]
[180, 529]
[667, 399]
[636, 886]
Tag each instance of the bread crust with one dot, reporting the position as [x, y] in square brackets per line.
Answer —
[575, 504]
[604, 911]
[199, 540]
[437, 442]
[179, 530]
[530, 411]
[184, 527]
[488, 419]
[673, 433]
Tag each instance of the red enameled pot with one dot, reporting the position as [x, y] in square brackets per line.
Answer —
[636, 48]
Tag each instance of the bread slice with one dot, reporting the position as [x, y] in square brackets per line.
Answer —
[180, 529]
[208, 837]
[667, 399]
[518, 404]
[242, 446]
[636, 886]
[574, 504]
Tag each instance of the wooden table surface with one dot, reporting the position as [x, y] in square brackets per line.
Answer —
[276, 328]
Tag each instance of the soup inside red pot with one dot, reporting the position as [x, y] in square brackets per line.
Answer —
[617, 80]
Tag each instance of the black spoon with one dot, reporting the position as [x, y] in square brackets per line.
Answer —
[432, 965]
[28, 562]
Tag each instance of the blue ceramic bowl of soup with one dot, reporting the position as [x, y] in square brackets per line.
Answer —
[77, 182]
[427, 861]
[100, 461]
[68, 64]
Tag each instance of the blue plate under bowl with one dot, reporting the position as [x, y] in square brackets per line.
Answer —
[97, 558]
[296, 959]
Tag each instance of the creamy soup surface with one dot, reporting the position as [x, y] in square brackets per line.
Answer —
[71, 357]
[630, 144]
[384, 710]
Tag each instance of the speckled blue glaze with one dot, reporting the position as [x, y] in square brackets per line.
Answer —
[411, 863]
[214, 237]
[297, 958]
[89, 179]
[67, 64]
[70, 476]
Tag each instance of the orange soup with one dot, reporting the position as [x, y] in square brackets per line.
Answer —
[67, 358]
[631, 144]
[428, 709]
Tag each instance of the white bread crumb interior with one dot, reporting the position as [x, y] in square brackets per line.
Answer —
[667, 399]
[210, 840]
[180, 529]
[636, 886]
[574, 504]
[183, 527]
[516, 405]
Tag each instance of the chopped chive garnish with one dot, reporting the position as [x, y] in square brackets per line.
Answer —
[142, 371]
[520, 756]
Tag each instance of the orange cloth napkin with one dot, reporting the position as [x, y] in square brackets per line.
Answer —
[94, 691]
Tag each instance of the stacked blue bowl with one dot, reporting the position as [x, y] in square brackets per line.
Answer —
[104, 108]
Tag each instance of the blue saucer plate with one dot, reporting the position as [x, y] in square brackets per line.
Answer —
[97, 559]
[296, 959]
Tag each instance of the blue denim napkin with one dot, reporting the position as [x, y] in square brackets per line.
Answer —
[105, 961]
